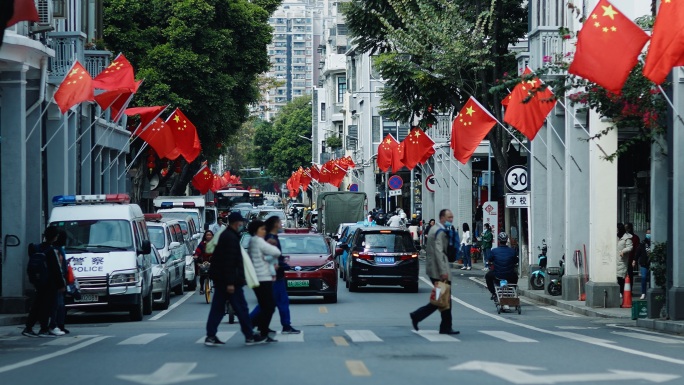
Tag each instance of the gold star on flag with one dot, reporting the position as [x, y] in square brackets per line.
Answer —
[417, 133]
[594, 16]
[176, 119]
[609, 11]
[388, 141]
[605, 29]
[597, 24]
[74, 72]
[614, 29]
[470, 110]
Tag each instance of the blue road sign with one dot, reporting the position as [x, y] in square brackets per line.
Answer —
[395, 182]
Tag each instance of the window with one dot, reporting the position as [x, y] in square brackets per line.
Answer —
[322, 112]
[376, 129]
[341, 88]
[99, 235]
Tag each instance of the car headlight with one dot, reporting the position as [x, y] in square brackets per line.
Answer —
[327, 266]
[124, 278]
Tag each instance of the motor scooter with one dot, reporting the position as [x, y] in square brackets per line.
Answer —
[538, 276]
[556, 285]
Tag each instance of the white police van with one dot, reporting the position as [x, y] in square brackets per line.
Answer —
[109, 251]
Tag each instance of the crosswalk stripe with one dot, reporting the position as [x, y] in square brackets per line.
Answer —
[434, 336]
[66, 341]
[290, 337]
[508, 337]
[651, 338]
[222, 336]
[141, 339]
[362, 336]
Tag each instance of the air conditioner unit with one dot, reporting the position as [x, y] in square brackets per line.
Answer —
[45, 12]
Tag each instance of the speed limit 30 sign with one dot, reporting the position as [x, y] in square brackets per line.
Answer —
[516, 179]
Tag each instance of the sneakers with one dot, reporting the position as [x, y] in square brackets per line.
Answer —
[643, 296]
[56, 332]
[256, 340]
[290, 330]
[464, 268]
[46, 334]
[469, 268]
[414, 321]
[65, 330]
[29, 333]
[270, 340]
[213, 341]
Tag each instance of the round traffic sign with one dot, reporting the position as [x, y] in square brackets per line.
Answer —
[516, 178]
[430, 182]
[354, 187]
[395, 182]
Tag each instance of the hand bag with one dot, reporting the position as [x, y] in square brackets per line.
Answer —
[250, 273]
[441, 295]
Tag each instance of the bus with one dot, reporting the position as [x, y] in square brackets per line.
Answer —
[256, 197]
[226, 199]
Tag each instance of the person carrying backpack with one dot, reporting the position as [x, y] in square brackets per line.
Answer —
[45, 275]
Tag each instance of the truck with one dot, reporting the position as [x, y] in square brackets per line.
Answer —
[204, 213]
[340, 207]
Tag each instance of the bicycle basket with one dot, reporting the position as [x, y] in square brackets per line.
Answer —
[204, 268]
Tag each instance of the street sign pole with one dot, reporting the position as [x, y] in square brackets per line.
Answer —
[411, 193]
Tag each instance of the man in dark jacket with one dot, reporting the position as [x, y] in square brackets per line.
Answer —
[46, 292]
[228, 273]
[502, 262]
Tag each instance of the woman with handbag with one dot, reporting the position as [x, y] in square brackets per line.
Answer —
[263, 256]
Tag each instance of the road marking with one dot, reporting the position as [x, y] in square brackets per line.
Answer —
[175, 305]
[662, 340]
[577, 327]
[66, 341]
[357, 368]
[10, 338]
[340, 341]
[645, 331]
[62, 352]
[362, 336]
[169, 373]
[508, 337]
[434, 336]
[329, 325]
[223, 336]
[572, 336]
[323, 310]
[291, 337]
[142, 339]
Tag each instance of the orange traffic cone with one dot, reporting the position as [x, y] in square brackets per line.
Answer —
[627, 296]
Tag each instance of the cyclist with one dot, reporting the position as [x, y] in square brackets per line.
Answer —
[502, 261]
[202, 256]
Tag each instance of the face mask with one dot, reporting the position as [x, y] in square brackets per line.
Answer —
[241, 228]
[280, 231]
[447, 224]
[648, 236]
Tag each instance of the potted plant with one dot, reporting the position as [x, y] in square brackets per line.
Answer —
[658, 299]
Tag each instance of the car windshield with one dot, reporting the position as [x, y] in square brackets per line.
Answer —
[388, 242]
[303, 245]
[181, 215]
[209, 216]
[97, 235]
[264, 215]
[157, 236]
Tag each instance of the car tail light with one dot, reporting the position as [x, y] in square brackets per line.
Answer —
[408, 257]
[338, 251]
[364, 256]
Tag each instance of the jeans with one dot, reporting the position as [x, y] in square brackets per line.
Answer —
[466, 256]
[59, 314]
[486, 253]
[218, 309]
[264, 294]
[42, 308]
[645, 278]
[423, 312]
[282, 301]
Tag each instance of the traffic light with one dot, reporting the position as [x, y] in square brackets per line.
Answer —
[262, 171]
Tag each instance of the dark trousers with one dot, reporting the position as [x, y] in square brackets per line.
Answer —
[59, 314]
[490, 277]
[423, 312]
[264, 294]
[42, 308]
[218, 309]
[282, 301]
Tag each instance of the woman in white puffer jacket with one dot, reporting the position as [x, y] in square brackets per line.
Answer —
[263, 254]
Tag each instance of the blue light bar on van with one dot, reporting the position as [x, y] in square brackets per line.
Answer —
[63, 200]
[168, 205]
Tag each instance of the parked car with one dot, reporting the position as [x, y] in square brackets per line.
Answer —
[164, 235]
[312, 266]
[382, 256]
[265, 214]
[161, 281]
[188, 249]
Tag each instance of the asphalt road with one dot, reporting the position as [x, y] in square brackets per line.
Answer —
[365, 338]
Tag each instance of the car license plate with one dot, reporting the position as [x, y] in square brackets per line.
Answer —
[87, 298]
[384, 260]
[298, 283]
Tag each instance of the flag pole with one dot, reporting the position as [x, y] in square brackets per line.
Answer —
[130, 164]
[40, 118]
[56, 132]
[93, 123]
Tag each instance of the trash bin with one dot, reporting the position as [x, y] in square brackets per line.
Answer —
[639, 309]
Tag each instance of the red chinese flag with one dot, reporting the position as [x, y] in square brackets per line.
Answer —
[203, 180]
[117, 99]
[507, 99]
[118, 75]
[24, 10]
[159, 136]
[469, 128]
[338, 172]
[315, 172]
[147, 114]
[325, 173]
[608, 47]
[347, 162]
[385, 152]
[397, 154]
[417, 148]
[529, 106]
[305, 179]
[76, 87]
[186, 135]
[667, 41]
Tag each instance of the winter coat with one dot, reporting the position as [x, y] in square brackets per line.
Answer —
[624, 247]
[436, 262]
[226, 262]
[263, 255]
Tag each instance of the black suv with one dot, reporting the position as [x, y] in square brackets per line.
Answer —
[382, 256]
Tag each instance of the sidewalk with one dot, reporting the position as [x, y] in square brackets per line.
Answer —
[668, 326]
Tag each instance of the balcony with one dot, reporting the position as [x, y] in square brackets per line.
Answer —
[440, 132]
[546, 44]
[96, 61]
[69, 47]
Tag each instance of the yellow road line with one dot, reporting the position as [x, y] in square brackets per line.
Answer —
[340, 341]
[329, 325]
[323, 309]
[357, 368]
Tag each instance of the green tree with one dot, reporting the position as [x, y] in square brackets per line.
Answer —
[203, 56]
[264, 139]
[289, 150]
[434, 54]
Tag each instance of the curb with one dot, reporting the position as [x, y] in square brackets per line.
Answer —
[12, 320]
[587, 311]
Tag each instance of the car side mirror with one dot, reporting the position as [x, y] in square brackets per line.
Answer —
[146, 247]
[174, 245]
[338, 251]
[163, 259]
[344, 246]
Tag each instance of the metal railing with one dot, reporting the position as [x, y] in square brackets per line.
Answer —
[546, 46]
[96, 61]
[68, 46]
[441, 131]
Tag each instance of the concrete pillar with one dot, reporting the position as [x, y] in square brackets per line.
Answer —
[464, 175]
[57, 159]
[675, 295]
[555, 187]
[368, 180]
[602, 288]
[538, 191]
[577, 200]
[13, 131]
[106, 181]
[83, 147]
[97, 166]
[659, 209]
